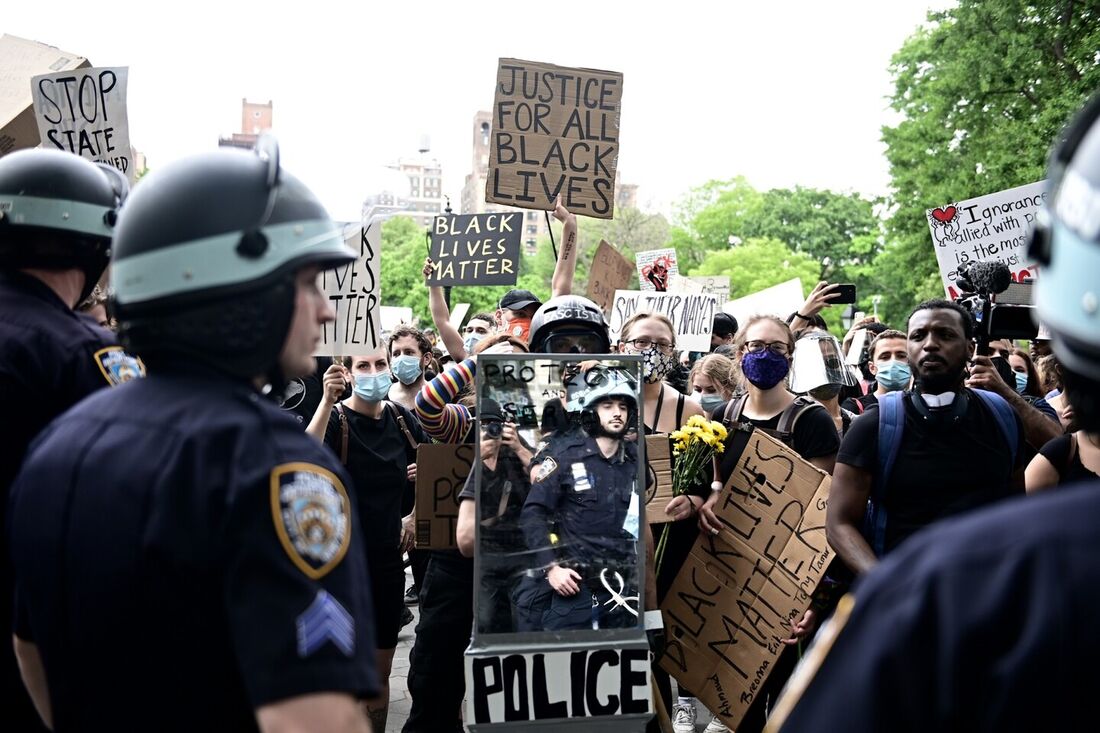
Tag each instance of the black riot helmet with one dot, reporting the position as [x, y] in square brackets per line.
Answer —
[58, 212]
[206, 254]
[569, 324]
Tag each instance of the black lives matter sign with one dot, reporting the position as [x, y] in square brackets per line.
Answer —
[555, 132]
[475, 249]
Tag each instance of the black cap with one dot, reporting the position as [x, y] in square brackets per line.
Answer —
[519, 299]
[724, 324]
[489, 409]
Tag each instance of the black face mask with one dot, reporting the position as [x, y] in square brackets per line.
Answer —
[825, 392]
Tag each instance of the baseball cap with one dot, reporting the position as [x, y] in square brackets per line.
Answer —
[518, 299]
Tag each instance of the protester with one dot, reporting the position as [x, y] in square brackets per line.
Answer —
[983, 622]
[410, 356]
[514, 313]
[178, 543]
[888, 365]
[819, 370]
[653, 337]
[50, 357]
[1027, 377]
[376, 440]
[723, 330]
[713, 381]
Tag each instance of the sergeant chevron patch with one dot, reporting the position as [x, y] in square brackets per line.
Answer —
[325, 620]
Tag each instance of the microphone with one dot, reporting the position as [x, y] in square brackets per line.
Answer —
[984, 277]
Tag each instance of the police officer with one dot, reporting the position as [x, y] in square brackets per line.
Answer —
[583, 492]
[185, 557]
[57, 214]
[987, 622]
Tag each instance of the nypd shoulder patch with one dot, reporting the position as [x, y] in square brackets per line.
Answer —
[118, 366]
[545, 469]
[312, 516]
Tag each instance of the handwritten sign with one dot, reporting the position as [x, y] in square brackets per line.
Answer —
[610, 271]
[735, 596]
[559, 683]
[658, 456]
[354, 292]
[20, 60]
[691, 313]
[555, 131]
[993, 227]
[718, 285]
[655, 268]
[441, 471]
[475, 249]
[84, 112]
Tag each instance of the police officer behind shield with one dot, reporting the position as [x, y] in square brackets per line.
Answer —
[185, 557]
[987, 622]
[57, 214]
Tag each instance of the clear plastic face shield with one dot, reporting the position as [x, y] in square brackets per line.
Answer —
[817, 362]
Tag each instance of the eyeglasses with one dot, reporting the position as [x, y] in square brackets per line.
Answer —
[782, 348]
[643, 344]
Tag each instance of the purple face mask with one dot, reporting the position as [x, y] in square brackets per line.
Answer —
[765, 369]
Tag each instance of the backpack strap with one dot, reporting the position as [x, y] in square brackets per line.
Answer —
[679, 409]
[1006, 419]
[789, 417]
[344, 431]
[401, 423]
[734, 408]
[891, 427]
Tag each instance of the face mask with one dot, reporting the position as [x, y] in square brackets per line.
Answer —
[407, 368]
[825, 392]
[470, 342]
[373, 387]
[519, 328]
[1021, 381]
[656, 364]
[894, 375]
[765, 368]
[709, 402]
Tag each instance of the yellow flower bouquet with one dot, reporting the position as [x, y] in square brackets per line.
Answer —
[693, 447]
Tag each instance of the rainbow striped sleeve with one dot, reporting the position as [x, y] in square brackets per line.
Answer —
[441, 419]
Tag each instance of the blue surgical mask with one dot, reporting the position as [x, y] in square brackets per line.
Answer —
[470, 342]
[407, 368]
[894, 375]
[1021, 381]
[373, 387]
[709, 402]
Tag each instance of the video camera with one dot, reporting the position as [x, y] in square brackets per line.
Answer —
[1002, 309]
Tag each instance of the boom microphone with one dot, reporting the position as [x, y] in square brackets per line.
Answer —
[984, 277]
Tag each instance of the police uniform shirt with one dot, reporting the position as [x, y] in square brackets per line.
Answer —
[586, 497]
[942, 468]
[185, 554]
[981, 623]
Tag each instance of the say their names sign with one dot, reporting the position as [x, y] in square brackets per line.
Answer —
[610, 271]
[735, 597]
[84, 112]
[354, 292]
[993, 227]
[555, 132]
[475, 249]
[692, 314]
[441, 472]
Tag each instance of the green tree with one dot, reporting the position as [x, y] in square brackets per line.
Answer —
[982, 91]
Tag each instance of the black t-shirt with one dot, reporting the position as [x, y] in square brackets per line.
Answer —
[814, 435]
[859, 405]
[941, 469]
[1063, 455]
[379, 455]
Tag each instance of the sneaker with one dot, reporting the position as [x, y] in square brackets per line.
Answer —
[683, 718]
[412, 595]
[406, 617]
[716, 726]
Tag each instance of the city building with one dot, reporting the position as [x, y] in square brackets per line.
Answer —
[255, 118]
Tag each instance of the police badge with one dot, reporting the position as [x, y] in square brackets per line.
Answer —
[118, 366]
[311, 511]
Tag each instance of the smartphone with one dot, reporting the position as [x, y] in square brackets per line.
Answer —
[844, 293]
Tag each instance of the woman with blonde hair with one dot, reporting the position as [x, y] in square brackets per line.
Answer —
[713, 380]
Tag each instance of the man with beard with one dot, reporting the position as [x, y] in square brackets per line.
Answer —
[958, 449]
[581, 516]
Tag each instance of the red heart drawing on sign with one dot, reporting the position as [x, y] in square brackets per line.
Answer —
[944, 215]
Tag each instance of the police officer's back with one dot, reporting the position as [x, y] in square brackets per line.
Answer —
[184, 554]
[57, 214]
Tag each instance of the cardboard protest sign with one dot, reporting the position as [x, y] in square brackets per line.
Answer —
[610, 271]
[735, 596]
[475, 249]
[655, 267]
[555, 131]
[993, 227]
[458, 314]
[20, 60]
[718, 285]
[691, 313]
[354, 291]
[658, 456]
[441, 471]
[550, 684]
[84, 112]
[778, 300]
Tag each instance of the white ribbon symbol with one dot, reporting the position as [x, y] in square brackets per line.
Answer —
[617, 596]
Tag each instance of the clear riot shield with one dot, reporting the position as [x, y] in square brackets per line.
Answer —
[559, 567]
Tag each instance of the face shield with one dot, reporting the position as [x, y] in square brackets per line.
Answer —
[818, 362]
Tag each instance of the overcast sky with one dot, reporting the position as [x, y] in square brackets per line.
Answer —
[782, 93]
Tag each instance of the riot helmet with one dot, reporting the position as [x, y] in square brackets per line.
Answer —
[615, 386]
[58, 212]
[206, 255]
[569, 324]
